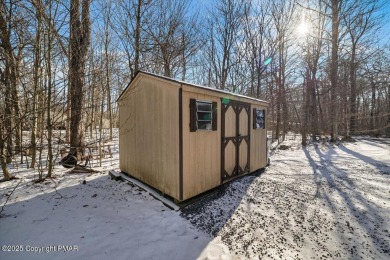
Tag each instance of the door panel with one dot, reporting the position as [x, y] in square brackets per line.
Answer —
[243, 156]
[230, 125]
[243, 123]
[235, 132]
[230, 158]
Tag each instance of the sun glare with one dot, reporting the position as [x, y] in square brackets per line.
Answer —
[303, 28]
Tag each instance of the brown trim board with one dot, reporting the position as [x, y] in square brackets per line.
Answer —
[223, 111]
[237, 139]
[180, 144]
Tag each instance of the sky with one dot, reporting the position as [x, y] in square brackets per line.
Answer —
[385, 30]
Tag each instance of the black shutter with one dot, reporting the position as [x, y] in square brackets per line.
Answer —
[254, 118]
[193, 115]
[215, 116]
[264, 118]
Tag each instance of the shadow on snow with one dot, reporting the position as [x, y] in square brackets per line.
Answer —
[330, 177]
[103, 218]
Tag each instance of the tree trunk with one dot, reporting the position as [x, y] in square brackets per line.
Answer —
[278, 115]
[3, 161]
[37, 75]
[313, 101]
[306, 104]
[285, 113]
[387, 130]
[184, 59]
[49, 94]
[78, 46]
[373, 101]
[334, 69]
[8, 81]
[93, 106]
[101, 126]
[352, 123]
[258, 87]
[8, 123]
[137, 36]
[15, 106]
[108, 89]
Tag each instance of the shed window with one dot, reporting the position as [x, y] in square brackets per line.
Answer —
[203, 115]
[258, 118]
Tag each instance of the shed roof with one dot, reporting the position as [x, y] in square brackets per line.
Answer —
[188, 84]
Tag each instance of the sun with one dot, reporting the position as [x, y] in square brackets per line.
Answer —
[303, 28]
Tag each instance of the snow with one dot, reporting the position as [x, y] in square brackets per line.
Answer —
[322, 201]
[103, 218]
[169, 203]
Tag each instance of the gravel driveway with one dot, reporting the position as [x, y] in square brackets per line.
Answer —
[319, 202]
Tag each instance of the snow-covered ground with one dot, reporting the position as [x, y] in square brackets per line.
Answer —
[318, 202]
[322, 201]
[102, 218]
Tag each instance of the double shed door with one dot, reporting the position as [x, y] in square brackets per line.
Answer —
[235, 145]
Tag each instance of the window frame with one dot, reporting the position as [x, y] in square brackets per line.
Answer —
[198, 102]
[256, 124]
[194, 111]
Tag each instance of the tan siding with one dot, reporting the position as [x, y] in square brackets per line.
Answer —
[149, 139]
[258, 144]
[201, 151]
[149, 148]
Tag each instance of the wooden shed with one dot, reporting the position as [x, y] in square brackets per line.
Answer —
[184, 139]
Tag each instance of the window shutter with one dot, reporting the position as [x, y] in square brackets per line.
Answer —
[215, 116]
[254, 118]
[264, 118]
[193, 115]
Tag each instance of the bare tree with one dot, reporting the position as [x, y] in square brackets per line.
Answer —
[107, 40]
[49, 94]
[358, 21]
[225, 24]
[172, 37]
[9, 74]
[335, 6]
[259, 45]
[314, 23]
[78, 46]
[130, 22]
[282, 16]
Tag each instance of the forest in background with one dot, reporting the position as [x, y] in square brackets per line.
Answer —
[322, 64]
